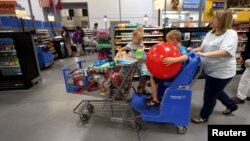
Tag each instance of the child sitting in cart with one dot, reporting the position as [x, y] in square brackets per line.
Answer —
[173, 37]
[133, 46]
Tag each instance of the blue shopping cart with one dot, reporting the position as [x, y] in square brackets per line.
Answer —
[175, 95]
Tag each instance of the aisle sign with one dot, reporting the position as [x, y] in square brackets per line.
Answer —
[7, 7]
[191, 5]
[218, 5]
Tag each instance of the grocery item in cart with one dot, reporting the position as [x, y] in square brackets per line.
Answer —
[124, 58]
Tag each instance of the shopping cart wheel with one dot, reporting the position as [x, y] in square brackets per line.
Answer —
[137, 127]
[90, 108]
[181, 129]
[83, 117]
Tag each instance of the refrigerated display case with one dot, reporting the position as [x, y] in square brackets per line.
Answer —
[18, 62]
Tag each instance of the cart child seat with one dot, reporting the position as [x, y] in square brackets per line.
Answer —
[176, 99]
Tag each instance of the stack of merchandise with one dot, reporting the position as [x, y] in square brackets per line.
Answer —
[103, 44]
[90, 79]
[113, 82]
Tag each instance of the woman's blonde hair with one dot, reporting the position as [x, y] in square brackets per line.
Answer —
[138, 32]
[174, 34]
[225, 18]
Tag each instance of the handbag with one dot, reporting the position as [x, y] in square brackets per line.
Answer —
[247, 63]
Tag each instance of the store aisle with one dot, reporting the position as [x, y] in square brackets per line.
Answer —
[44, 112]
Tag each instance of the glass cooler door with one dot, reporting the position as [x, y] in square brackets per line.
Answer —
[9, 62]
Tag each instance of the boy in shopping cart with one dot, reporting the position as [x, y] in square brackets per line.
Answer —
[133, 46]
[173, 37]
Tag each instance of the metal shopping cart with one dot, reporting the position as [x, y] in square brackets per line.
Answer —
[115, 104]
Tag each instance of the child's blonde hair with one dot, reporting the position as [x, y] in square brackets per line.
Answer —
[138, 32]
[174, 34]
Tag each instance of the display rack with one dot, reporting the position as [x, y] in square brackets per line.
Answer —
[242, 29]
[43, 39]
[123, 35]
[88, 33]
[89, 41]
[191, 37]
[42, 36]
[103, 44]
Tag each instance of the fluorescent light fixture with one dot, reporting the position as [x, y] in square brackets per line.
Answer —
[105, 18]
[235, 15]
[158, 4]
[51, 17]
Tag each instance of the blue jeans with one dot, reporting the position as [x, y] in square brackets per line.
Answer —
[214, 89]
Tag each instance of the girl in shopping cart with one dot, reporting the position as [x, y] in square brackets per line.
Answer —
[133, 46]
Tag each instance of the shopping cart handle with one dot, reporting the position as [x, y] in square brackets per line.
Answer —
[80, 63]
[65, 68]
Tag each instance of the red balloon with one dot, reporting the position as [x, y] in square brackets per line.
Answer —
[155, 57]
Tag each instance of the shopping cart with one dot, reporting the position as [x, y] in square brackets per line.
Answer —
[115, 105]
[176, 97]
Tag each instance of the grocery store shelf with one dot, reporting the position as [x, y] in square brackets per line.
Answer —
[8, 51]
[242, 41]
[242, 31]
[122, 29]
[156, 35]
[160, 35]
[121, 42]
[145, 42]
[16, 66]
[152, 42]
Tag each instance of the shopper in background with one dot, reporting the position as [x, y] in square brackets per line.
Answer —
[218, 57]
[67, 40]
[133, 46]
[173, 37]
[78, 40]
[94, 30]
[244, 84]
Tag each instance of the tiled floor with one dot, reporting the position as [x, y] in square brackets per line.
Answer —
[44, 113]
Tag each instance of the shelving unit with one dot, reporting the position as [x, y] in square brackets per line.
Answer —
[42, 36]
[242, 29]
[9, 62]
[89, 41]
[103, 44]
[43, 39]
[191, 37]
[88, 33]
[123, 35]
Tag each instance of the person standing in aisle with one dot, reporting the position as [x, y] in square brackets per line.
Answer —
[133, 46]
[218, 51]
[67, 40]
[78, 40]
[94, 30]
[244, 84]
